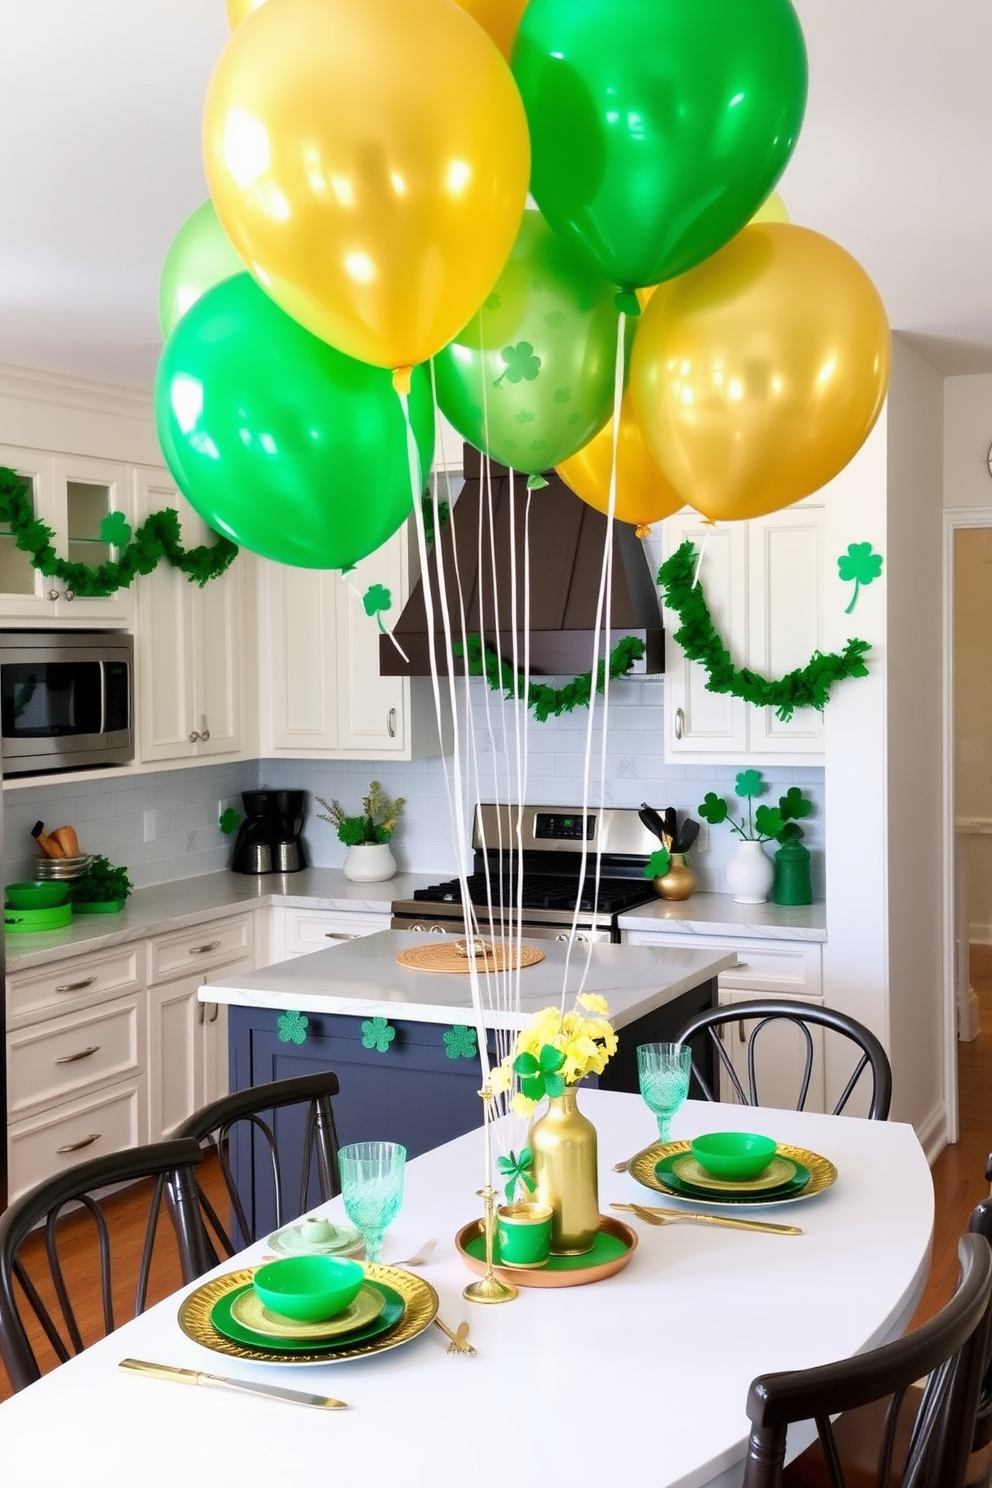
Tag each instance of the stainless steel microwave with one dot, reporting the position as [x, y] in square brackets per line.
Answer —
[66, 700]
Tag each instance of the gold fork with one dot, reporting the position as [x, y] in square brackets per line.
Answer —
[459, 1343]
[672, 1216]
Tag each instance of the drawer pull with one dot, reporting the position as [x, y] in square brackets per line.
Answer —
[81, 1054]
[679, 723]
[339, 935]
[76, 986]
[83, 1142]
[214, 1012]
[391, 723]
[211, 945]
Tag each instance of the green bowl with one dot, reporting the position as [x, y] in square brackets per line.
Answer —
[309, 1288]
[36, 895]
[26, 921]
[733, 1155]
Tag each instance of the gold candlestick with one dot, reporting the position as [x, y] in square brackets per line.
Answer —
[489, 1288]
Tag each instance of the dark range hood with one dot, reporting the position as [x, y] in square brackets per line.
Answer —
[567, 538]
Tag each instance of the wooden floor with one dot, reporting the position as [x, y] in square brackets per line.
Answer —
[959, 1182]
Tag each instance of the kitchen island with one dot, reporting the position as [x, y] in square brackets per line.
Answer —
[402, 1042]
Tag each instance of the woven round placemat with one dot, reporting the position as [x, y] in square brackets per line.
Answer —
[444, 958]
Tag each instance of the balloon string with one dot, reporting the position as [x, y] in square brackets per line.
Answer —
[707, 529]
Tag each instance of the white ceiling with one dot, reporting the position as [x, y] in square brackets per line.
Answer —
[100, 163]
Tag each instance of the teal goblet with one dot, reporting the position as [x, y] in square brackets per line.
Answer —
[372, 1188]
[663, 1071]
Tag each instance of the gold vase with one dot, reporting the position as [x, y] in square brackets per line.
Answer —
[565, 1168]
[679, 882]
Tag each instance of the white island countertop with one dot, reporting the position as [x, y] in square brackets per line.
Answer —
[361, 978]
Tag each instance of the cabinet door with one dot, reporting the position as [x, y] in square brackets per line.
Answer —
[175, 1055]
[372, 713]
[219, 661]
[297, 646]
[785, 619]
[24, 592]
[86, 491]
[164, 642]
[699, 723]
[780, 1057]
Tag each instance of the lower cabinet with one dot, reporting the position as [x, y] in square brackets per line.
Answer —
[297, 932]
[105, 1121]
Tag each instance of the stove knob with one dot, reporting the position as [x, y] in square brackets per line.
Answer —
[418, 928]
[561, 937]
[437, 930]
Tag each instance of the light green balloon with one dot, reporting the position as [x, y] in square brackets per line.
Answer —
[530, 379]
[200, 257]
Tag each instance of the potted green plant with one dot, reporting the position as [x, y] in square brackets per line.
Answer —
[366, 835]
[751, 873]
[101, 888]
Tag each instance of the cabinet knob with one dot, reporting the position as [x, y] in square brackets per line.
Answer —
[204, 731]
[70, 594]
[205, 735]
[53, 594]
[194, 737]
[679, 723]
[391, 723]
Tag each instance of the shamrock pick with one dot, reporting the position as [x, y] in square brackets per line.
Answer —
[657, 864]
[539, 1077]
[376, 599]
[517, 1169]
[859, 565]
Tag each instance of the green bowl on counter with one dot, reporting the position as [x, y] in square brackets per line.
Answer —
[36, 895]
[31, 921]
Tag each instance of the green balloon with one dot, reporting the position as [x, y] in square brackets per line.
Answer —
[658, 127]
[530, 379]
[201, 256]
[280, 442]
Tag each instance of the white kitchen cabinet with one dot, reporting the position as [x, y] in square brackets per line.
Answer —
[298, 932]
[107, 1120]
[190, 664]
[71, 495]
[763, 581]
[320, 690]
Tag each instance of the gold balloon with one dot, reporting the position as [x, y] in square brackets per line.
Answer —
[758, 374]
[772, 209]
[372, 208]
[643, 493]
[238, 9]
[501, 18]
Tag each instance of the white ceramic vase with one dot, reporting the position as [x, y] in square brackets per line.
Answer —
[750, 874]
[369, 862]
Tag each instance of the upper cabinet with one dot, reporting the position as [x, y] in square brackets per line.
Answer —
[71, 495]
[190, 664]
[320, 689]
[763, 581]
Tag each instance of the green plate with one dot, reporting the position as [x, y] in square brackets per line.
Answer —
[606, 1248]
[222, 1319]
[652, 1168]
[742, 1193]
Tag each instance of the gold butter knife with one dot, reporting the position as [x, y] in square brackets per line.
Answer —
[674, 1216]
[197, 1377]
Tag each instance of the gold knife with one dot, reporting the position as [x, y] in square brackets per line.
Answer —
[668, 1216]
[197, 1377]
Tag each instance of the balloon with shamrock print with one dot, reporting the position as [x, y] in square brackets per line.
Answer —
[658, 127]
[759, 374]
[530, 378]
[280, 442]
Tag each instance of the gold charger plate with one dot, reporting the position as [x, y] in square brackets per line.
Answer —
[822, 1175]
[577, 1273]
[441, 957]
[420, 1308]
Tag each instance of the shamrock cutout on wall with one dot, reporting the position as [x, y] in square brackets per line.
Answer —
[292, 1028]
[376, 599]
[114, 530]
[378, 1034]
[229, 820]
[460, 1042]
[522, 364]
[859, 565]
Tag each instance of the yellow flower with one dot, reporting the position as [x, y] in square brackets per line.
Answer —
[501, 1077]
[521, 1106]
[594, 1002]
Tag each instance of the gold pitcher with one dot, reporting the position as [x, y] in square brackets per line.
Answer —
[565, 1168]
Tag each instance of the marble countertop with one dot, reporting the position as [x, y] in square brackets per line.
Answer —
[362, 979]
[719, 914]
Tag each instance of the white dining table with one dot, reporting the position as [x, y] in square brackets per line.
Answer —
[641, 1377]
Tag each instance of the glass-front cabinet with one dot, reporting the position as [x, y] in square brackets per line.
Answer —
[72, 496]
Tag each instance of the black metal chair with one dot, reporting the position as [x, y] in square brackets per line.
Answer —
[271, 1141]
[952, 1349]
[767, 1012]
[65, 1205]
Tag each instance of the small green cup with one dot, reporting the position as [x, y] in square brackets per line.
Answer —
[524, 1232]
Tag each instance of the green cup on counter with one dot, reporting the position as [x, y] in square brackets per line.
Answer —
[524, 1232]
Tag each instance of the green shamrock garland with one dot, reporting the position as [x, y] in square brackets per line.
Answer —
[545, 700]
[806, 687]
[158, 537]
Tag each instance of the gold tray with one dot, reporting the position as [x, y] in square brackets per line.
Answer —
[420, 1308]
[541, 1276]
[822, 1175]
[441, 957]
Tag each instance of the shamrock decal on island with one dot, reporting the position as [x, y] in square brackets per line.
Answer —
[378, 1034]
[859, 565]
[522, 363]
[292, 1028]
[460, 1042]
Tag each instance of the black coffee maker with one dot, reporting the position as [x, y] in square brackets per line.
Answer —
[269, 838]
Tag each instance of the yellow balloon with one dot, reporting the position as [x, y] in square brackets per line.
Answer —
[501, 18]
[772, 209]
[643, 495]
[238, 9]
[372, 208]
[758, 374]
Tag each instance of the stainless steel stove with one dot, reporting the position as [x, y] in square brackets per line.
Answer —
[550, 850]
